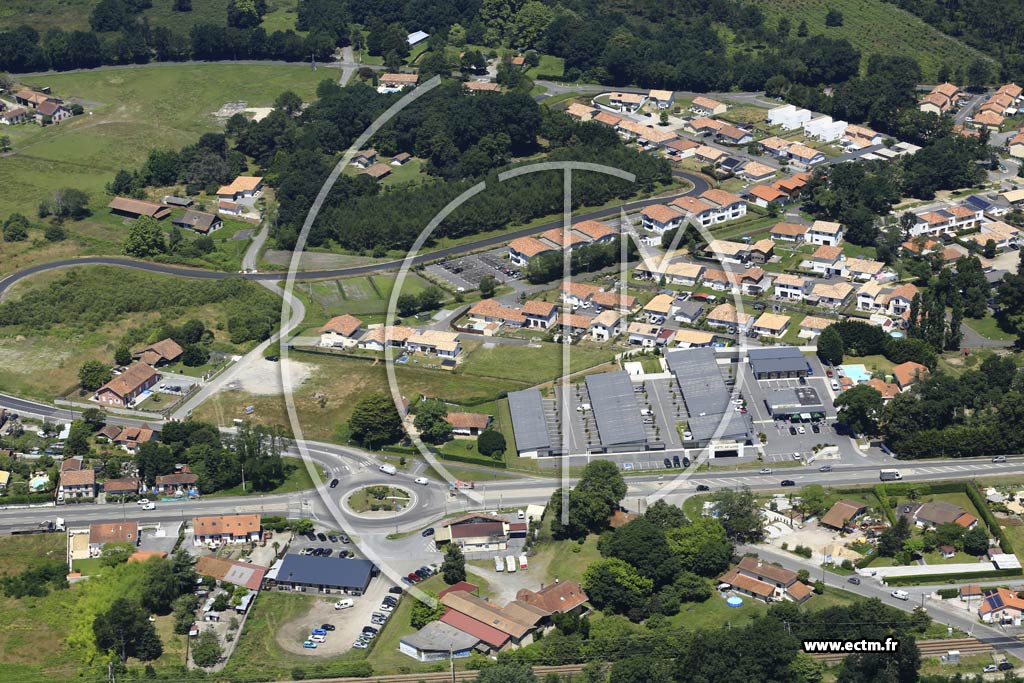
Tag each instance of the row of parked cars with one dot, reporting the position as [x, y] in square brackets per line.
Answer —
[378, 619]
[323, 538]
[419, 575]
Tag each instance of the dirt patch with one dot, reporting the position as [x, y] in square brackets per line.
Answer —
[264, 378]
[291, 636]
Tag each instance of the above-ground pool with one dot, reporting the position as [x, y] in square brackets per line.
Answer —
[857, 373]
[734, 601]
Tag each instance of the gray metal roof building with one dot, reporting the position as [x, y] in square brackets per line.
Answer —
[700, 380]
[615, 409]
[436, 641]
[332, 573]
[777, 361]
[790, 401]
[528, 424]
[735, 427]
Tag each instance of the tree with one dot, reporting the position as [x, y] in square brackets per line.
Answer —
[613, 585]
[990, 249]
[5, 143]
[454, 566]
[54, 233]
[530, 24]
[830, 346]
[431, 423]
[93, 374]
[508, 672]
[591, 502]
[375, 421]
[122, 355]
[194, 355]
[491, 442]
[126, 630]
[702, 547]
[94, 418]
[802, 31]
[64, 203]
[288, 102]
[15, 228]
[487, 286]
[833, 18]
[666, 516]
[813, 499]
[739, 514]
[207, 650]
[113, 554]
[303, 526]
[182, 5]
[891, 540]
[423, 613]
[407, 304]
[979, 73]
[145, 238]
[642, 544]
[77, 442]
[184, 609]
[860, 408]
[976, 541]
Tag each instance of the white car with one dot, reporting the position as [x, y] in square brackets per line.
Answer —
[144, 501]
[766, 470]
[687, 436]
[344, 604]
[801, 430]
[737, 401]
[149, 506]
[385, 607]
[422, 481]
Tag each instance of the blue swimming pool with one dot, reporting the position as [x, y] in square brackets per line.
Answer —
[857, 373]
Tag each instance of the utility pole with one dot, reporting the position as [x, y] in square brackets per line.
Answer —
[451, 663]
[243, 478]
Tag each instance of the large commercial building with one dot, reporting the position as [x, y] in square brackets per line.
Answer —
[529, 425]
[713, 421]
[802, 402]
[777, 362]
[616, 412]
[311, 574]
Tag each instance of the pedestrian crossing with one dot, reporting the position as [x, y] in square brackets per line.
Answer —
[430, 547]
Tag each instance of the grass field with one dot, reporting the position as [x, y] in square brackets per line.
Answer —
[363, 297]
[875, 27]
[297, 479]
[73, 15]
[532, 364]
[988, 327]
[129, 112]
[549, 66]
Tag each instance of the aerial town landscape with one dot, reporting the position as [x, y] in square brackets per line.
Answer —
[511, 341]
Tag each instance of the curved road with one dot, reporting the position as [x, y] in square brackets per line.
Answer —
[699, 185]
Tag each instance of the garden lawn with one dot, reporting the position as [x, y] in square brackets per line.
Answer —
[296, 479]
[549, 66]
[989, 328]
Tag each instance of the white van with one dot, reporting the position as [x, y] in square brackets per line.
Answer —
[499, 564]
[521, 514]
[344, 604]
[510, 564]
[900, 594]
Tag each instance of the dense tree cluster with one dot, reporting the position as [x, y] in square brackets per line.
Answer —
[981, 412]
[591, 501]
[218, 462]
[93, 296]
[859, 338]
[375, 422]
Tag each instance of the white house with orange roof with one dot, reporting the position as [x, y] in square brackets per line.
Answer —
[772, 324]
[705, 106]
[1016, 145]
[812, 325]
[606, 325]
[791, 287]
[788, 232]
[627, 101]
[522, 249]
[663, 99]
[660, 218]
[658, 308]
[241, 187]
[831, 295]
[540, 314]
[763, 195]
[827, 260]
[726, 315]
[825, 232]
[490, 311]
[341, 330]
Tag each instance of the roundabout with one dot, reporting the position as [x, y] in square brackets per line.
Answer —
[379, 501]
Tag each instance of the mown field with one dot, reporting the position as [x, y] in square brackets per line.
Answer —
[875, 27]
[73, 15]
[129, 112]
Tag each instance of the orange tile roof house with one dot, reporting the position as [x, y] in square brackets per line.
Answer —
[236, 573]
[341, 330]
[162, 352]
[705, 106]
[555, 598]
[540, 314]
[243, 528]
[1001, 605]
[136, 208]
[842, 513]
[130, 437]
[906, 374]
[77, 484]
[393, 82]
[113, 532]
[121, 487]
[627, 101]
[763, 195]
[468, 424]
[491, 311]
[241, 187]
[580, 112]
[377, 171]
[767, 582]
[788, 232]
[177, 482]
[660, 218]
[122, 390]
[522, 249]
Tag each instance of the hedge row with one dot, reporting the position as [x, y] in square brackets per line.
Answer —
[866, 560]
[470, 460]
[986, 515]
[883, 502]
[923, 490]
[952, 578]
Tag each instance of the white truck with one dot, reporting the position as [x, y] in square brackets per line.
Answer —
[510, 563]
[499, 564]
[889, 475]
[388, 469]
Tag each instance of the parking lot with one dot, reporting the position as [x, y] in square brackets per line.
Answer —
[466, 272]
[348, 623]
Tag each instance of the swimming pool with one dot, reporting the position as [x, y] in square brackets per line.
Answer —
[857, 373]
[36, 483]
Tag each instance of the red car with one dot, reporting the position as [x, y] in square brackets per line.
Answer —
[828, 372]
[413, 577]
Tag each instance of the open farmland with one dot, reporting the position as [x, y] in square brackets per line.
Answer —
[875, 27]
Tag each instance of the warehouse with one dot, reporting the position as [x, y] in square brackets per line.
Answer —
[312, 574]
[616, 411]
[778, 362]
[528, 424]
[802, 402]
[713, 422]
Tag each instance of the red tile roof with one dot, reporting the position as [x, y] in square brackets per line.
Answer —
[477, 629]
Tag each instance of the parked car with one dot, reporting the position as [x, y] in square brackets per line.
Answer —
[360, 644]
[406, 580]
[427, 532]
[675, 461]
[801, 429]
[345, 539]
[796, 456]
[344, 604]
[396, 589]
[816, 429]
[385, 607]
[322, 537]
[687, 436]
[855, 580]
[667, 463]
[427, 570]
[990, 668]
[327, 627]
[309, 645]
[414, 577]
[327, 552]
[792, 431]
[334, 539]
[1004, 666]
